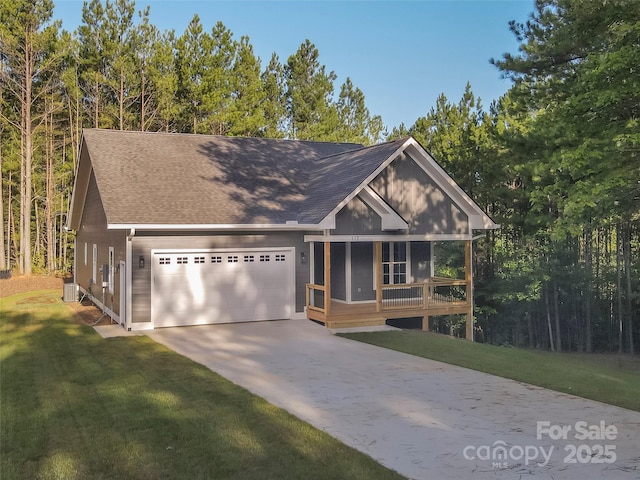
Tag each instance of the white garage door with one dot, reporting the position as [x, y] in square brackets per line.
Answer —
[198, 288]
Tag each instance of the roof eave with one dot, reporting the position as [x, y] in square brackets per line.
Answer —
[482, 222]
[78, 197]
[289, 226]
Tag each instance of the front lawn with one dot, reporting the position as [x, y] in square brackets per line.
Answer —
[76, 406]
[613, 379]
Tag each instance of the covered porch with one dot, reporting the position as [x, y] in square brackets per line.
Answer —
[400, 272]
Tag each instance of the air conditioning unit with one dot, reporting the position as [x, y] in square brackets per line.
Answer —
[70, 292]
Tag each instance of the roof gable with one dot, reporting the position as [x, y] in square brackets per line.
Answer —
[477, 218]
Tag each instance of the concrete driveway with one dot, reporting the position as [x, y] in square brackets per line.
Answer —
[422, 418]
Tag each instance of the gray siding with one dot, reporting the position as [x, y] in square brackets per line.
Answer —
[338, 271]
[143, 243]
[417, 199]
[318, 263]
[93, 230]
[83, 178]
[357, 218]
[362, 272]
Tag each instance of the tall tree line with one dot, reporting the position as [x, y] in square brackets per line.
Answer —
[555, 161]
[117, 70]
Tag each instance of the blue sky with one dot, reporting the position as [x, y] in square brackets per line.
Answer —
[401, 54]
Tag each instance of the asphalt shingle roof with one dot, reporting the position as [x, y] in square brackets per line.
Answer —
[167, 178]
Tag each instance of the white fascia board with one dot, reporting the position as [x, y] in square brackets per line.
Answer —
[478, 219]
[390, 218]
[72, 213]
[216, 226]
[430, 237]
[482, 222]
[331, 216]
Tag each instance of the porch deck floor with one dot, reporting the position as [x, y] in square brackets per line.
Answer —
[344, 315]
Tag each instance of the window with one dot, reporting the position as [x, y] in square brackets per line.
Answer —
[111, 269]
[280, 257]
[182, 260]
[165, 261]
[248, 258]
[216, 259]
[265, 258]
[232, 259]
[94, 271]
[198, 260]
[394, 263]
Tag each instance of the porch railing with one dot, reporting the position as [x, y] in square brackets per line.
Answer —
[406, 295]
[446, 291]
[435, 291]
[316, 298]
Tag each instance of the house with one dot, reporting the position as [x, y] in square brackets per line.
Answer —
[182, 229]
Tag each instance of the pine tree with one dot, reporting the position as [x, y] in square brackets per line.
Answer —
[274, 104]
[249, 94]
[95, 54]
[28, 55]
[190, 68]
[219, 82]
[312, 114]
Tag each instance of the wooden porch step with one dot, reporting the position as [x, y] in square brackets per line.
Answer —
[356, 322]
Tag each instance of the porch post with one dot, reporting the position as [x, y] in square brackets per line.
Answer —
[469, 286]
[425, 323]
[327, 278]
[378, 252]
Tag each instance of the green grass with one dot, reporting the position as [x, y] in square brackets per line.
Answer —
[76, 406]
[613, 379]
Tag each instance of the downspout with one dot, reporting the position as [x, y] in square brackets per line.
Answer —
[75, 257]
[129, 266]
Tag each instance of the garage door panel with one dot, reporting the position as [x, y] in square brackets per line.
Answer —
[221, 287]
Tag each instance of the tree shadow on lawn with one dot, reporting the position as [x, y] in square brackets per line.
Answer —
[75, 405]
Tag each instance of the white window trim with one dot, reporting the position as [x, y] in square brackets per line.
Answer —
[408, 263]
[392, 263]
[347, 271]
[94, 271]
[112, 259]
[86, 253]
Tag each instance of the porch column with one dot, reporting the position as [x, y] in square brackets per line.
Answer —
[327, 278]
[469, 286]
[378, 254]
